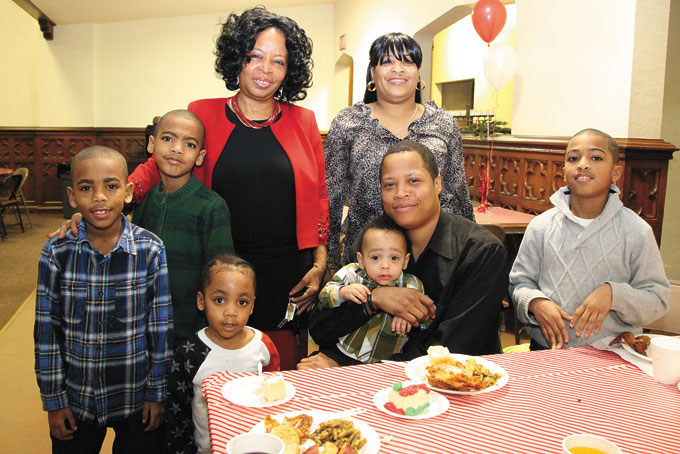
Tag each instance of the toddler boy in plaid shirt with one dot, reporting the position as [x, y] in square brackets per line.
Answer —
[382, 255]
[103, 325]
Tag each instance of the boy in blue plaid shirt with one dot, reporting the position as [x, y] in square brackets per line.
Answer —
[382, 255]
[103, 326]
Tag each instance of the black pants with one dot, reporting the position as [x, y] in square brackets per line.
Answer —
[534, 346]
[130, 438]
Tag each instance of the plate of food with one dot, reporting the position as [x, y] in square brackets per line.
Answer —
[410, 400]
[258, 391]
[637, 346]
[320, 432]
[453, 373]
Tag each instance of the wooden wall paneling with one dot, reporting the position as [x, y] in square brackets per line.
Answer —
[17, 151]
[130, 144]
[41, 150]
[482, 164]
[510, 179]
[536, 180]
[470, 172]
[524, 172]
[646, 190]
[530, 171]
[53, 149]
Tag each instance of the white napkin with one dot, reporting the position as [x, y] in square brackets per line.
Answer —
[644, 365]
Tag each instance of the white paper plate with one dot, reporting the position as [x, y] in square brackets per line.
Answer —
[632, 351]
[246, 391]
[372, 445]
[438, 404]
[416, 371]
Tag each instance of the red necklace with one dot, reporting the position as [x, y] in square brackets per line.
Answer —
[233, 104]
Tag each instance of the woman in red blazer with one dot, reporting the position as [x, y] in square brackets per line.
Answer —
[265, 158]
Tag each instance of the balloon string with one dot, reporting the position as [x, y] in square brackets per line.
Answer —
[490, 161]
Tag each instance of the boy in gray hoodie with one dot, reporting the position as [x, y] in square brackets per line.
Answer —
[589, 267]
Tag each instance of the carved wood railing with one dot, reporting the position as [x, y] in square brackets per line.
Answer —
[526, 171]
[42, 149]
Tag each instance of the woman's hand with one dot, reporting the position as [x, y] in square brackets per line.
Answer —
[312, 282]
[71, 224]
[407, 303]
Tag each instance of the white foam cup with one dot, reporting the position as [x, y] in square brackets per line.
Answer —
[666, 359]
[589, 441]
[259, 443]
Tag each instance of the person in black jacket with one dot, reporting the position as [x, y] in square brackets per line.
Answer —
[463, 268]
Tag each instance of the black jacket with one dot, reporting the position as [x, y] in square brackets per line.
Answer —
[464, 270]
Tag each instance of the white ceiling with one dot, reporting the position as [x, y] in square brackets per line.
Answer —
[64, 12]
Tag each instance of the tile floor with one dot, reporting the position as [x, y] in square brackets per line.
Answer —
[23, 424]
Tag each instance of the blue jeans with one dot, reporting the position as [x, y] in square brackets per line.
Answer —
[130, 438]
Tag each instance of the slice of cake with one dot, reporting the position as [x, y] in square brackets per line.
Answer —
[409, 400]
[274, 387]
[438, 354]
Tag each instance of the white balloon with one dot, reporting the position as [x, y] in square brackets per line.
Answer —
[500, 65]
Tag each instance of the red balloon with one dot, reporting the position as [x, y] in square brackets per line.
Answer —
[488, 17]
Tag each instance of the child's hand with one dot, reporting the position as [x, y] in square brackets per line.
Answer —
[72, 225]
[57, 420]
[154, 414]
[354, 292]
[549, 316]
[400, 326]
[593, 310]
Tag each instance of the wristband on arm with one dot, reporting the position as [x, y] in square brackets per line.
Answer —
[370, 306]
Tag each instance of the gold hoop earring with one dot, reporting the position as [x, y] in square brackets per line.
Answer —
[370, 86]
[421, 87]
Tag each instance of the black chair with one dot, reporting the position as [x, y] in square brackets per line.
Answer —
[23, 171]
[665, 332]
[508, 310]
[11, 186]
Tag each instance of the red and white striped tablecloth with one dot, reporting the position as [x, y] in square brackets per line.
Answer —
[550, 395]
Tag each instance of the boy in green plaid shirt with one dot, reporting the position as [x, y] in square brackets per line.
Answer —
[382, 256]
[193, 221]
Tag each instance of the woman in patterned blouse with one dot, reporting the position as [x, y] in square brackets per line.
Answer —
[358, 137]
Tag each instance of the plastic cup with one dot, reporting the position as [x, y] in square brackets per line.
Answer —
[666, 359]
[589, 441]
[256, 443]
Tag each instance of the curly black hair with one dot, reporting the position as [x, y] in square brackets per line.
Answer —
[238, 37]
